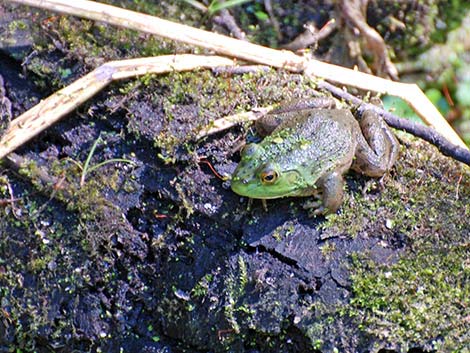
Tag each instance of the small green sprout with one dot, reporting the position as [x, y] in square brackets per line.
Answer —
[215, 5]
[87, 169]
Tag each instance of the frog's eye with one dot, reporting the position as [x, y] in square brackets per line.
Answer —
[269, 176]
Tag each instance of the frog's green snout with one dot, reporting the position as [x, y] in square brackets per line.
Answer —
[238, 185]
[240, 179]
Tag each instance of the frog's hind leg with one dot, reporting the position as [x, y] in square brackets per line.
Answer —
[377, 147]
[296, 105]
[288, 110]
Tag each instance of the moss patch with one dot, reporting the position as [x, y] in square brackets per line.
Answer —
[423, 298]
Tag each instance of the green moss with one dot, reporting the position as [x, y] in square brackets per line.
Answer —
[243, 277]
[235, 310]
[328, 249]
[32, 257]
[451, 13]
[419, 298]
[175, 11]
[17, 25]
[284, 231]
[87, 43]
[422, 299]
[187, 103]
[201, 288]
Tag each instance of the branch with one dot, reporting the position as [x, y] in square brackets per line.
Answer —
[424, 132]
[253, 53]
[51, 109]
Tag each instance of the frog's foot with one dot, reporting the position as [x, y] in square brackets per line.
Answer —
[314, 208]
[265, 205]
[373, 185]
[312, 204]
[332, 186]
[331, 197]
[249, 205]
[263, 202]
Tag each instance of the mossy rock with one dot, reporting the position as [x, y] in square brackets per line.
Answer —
[161, 255]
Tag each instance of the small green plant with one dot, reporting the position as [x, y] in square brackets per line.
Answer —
[87, 169]
[243, 274]
[215, 5]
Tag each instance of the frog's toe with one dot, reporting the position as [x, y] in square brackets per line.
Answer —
[312, 205]
[320, 211]
[315, 208]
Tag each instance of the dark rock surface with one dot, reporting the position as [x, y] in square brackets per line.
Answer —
[160, 256]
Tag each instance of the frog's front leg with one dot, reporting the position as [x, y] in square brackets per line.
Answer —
[332, 186]
[377, 147]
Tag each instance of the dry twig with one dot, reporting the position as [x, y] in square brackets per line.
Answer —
[252, 52]
[355, 12]
[67, 99]
[419, 130]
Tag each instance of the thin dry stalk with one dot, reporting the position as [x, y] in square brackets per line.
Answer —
[51, 109]
[252, 52]
[231, 120]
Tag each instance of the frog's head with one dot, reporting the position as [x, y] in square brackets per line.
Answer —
[260, 178]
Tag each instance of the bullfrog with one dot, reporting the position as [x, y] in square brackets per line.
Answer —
[308, 151]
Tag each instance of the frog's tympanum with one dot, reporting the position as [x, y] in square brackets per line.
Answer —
[310, 150]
